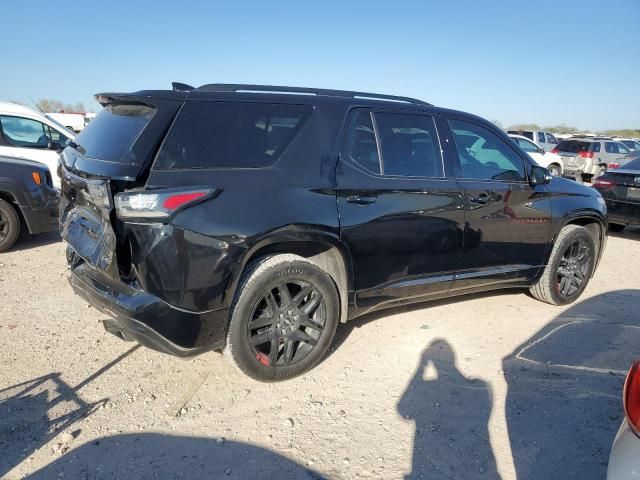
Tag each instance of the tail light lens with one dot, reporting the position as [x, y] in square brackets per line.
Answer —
[631, 397]
[604, 183]
[614, 165]
[585, 154]
[157, 204]
[556, 151]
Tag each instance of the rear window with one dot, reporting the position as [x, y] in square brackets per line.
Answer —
[522, 133]
[230, 134]
[573, 146]
[113, 132]
[632, 165]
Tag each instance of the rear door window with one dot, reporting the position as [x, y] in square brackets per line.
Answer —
[113, 132]
[230, 135]
[360, 144]
[541, 137]
[409, 145]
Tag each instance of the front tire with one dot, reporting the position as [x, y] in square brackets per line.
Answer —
[9, 225]
[283, 318]
[569, 269]
[555, 170]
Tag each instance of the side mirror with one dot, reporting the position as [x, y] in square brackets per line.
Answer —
[539, 176]
[55, 146]
[542, 151]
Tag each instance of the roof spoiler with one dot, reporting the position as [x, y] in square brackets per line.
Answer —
[181, 87]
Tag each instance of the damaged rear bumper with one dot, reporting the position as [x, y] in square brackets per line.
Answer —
[140, 316]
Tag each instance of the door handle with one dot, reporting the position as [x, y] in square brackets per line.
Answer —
[362, 199]
[481, 200]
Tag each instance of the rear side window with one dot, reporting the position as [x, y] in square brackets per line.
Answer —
[615, 147]
[551, 139]
[113, 132]
[230, 135]
[573, 146]
[361, 145]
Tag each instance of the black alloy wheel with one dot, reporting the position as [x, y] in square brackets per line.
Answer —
[286, 323]
[573, 267]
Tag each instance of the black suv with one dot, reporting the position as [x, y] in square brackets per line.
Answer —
[256, 218]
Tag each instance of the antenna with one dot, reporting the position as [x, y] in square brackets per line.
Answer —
[35, 104]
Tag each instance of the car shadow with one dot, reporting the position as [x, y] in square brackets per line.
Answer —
[35, 411]
[451, 414]
[565, 383]
[27, 242]
[632, 233]
[345, 329]
[154, 455]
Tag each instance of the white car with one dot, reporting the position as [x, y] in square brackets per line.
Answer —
[624, 460]
[31, 135]
[548, 160]
[546, 140]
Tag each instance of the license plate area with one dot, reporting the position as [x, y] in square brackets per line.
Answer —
[633, 193]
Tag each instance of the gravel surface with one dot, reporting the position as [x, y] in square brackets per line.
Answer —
[487, 386]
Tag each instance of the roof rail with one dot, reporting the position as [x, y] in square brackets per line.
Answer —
[232, 87]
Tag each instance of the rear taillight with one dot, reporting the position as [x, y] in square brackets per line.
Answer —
[613, 165]
[603, 183]
[556, 151]
[631, 397]
[157, 204]
[585, 154]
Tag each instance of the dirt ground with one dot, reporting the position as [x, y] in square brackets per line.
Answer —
[488, 386]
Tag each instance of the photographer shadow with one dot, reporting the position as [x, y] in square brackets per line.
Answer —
[451, 414]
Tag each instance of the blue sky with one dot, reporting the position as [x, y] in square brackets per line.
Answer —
[549, 62]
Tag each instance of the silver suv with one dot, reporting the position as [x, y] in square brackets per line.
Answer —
[590, 156]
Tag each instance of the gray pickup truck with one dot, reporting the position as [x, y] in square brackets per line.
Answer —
[28, 201]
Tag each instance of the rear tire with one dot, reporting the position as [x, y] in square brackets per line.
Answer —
[616, 227]
[9, 225]
[283, 318]
[569, 269]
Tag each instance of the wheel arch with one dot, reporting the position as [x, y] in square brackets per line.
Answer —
[323, 249]
[10, 198]
[592, 221]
